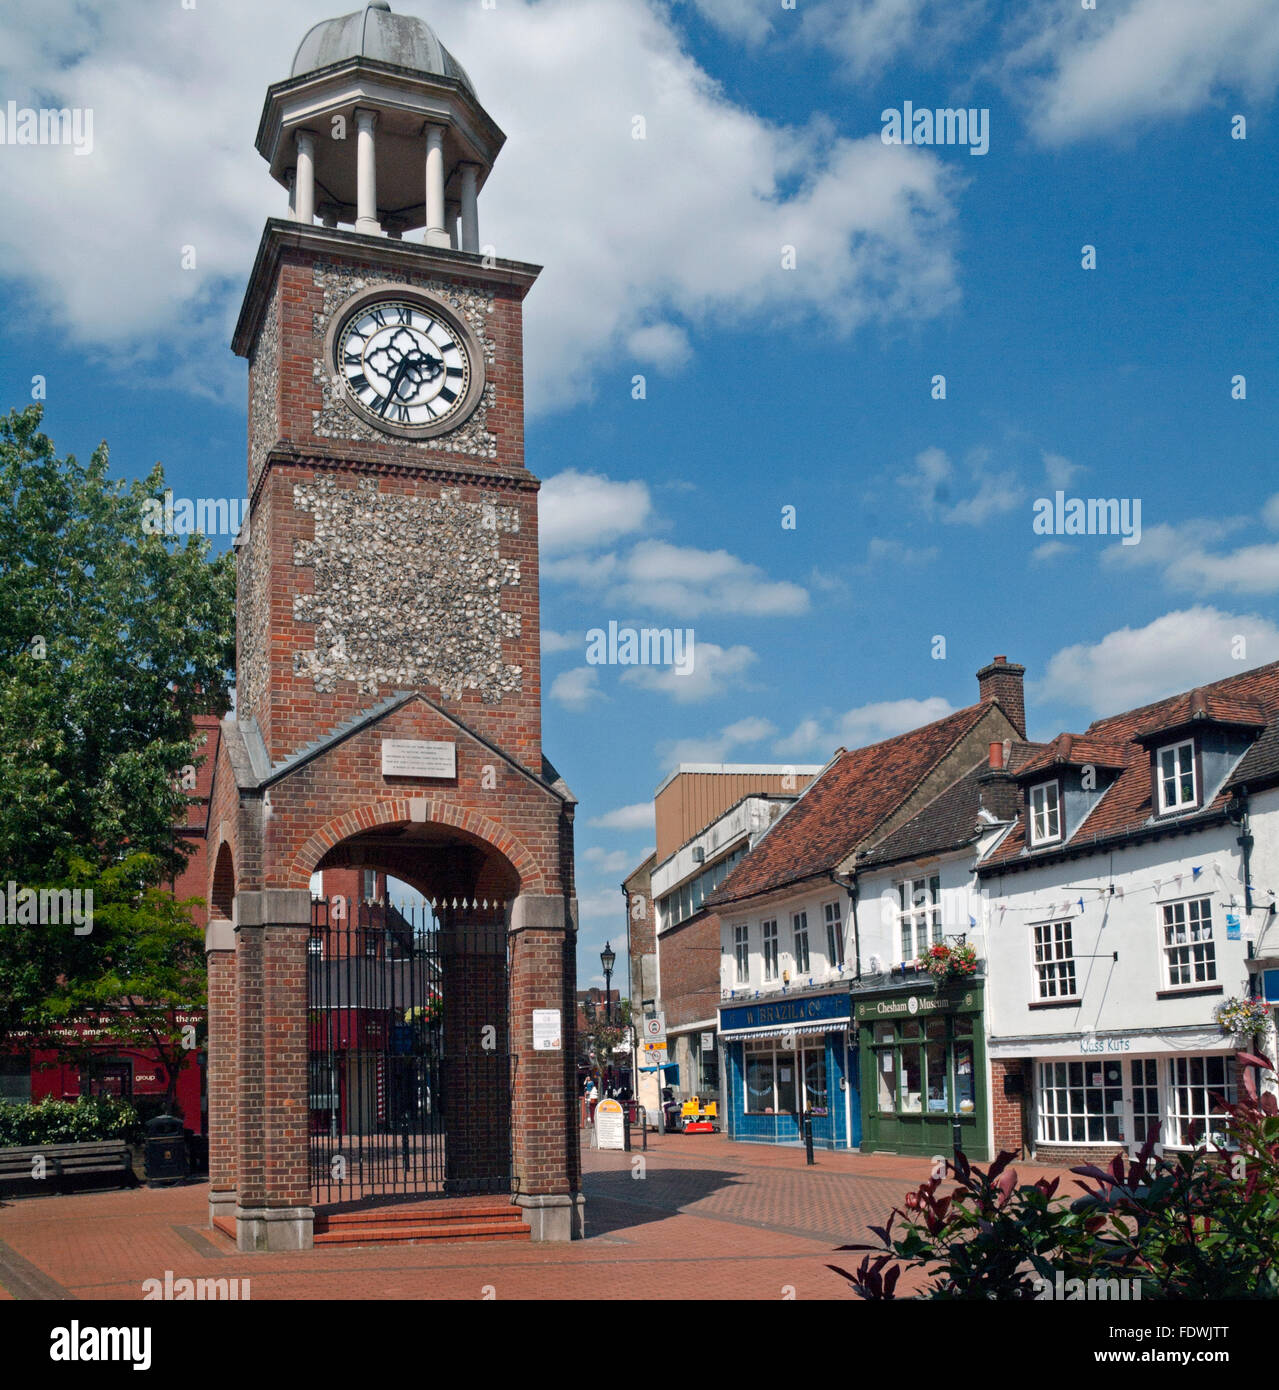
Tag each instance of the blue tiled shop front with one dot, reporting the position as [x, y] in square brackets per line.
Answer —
[786, 1054]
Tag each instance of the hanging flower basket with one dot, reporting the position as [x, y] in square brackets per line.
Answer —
[1241, 1018]
[947, 963]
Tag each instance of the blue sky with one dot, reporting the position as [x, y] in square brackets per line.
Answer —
[766, 387]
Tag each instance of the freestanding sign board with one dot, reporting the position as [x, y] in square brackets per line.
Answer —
[610, 1125]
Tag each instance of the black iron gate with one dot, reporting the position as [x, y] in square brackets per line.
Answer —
[410, 1067]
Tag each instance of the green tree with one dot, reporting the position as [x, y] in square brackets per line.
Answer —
[112, 639]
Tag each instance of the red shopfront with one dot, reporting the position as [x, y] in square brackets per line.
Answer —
[110, 1066]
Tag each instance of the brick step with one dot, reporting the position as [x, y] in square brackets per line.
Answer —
[383, 1232]
[420, 1213]
[225, 1224]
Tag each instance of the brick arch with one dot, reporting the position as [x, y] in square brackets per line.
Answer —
[395, 811]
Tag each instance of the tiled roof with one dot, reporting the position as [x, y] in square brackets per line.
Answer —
[1204, 704]
[1250, 699]
[951, 819]
[845, 804]
[1076, 750]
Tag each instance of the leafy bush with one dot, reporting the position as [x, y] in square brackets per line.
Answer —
[84, 1120]
[1196, 1225]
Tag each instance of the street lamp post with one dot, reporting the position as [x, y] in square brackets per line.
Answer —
[608, 958]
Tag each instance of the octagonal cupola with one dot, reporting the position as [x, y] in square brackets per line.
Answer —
[379, 128]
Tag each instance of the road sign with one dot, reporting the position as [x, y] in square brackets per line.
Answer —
[655, 1029]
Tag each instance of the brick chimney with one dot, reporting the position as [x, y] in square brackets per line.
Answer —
[1003, 681]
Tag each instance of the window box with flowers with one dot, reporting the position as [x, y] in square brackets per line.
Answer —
[947, 963]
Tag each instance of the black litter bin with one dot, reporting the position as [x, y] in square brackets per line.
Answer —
[166, 1154]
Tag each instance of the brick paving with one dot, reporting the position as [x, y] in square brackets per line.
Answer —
[708, 1219]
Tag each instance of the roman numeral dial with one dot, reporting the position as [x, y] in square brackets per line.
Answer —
[406, 365]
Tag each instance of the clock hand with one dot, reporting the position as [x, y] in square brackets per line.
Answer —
[395, 384]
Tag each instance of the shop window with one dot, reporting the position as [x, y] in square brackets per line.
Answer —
[1198, 1088]
[965, 1077]
[936, 1071]
[709, 1069]
[107, 1076]
[799, 926]
[770, 950]
[815, 1078]
[781, 1081]
[912, 1070]
[1054, 961]
[760, 1096]
[15, 1079]
[1081, 1102]
[919, 912]
[1189, 952]
[1146, 1110]
[928, 1070]
[834, 935]
[885, 1068]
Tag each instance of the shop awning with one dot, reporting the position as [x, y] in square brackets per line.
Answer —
[828, 1025]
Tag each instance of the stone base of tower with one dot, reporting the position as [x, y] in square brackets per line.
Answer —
[269, 1229]
[557, 1216]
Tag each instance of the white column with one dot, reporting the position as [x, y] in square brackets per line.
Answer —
[470, 209]
[291, 183]
[304, 191]
[452, 211]
[436, 232]
[366, 174]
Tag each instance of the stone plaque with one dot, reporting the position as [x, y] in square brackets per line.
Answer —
[418, 758]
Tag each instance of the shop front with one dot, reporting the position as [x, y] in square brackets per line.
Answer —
[1103, 1093]
[923, 1059]
[786, 1056]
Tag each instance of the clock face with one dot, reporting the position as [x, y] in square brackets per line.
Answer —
[407, 369]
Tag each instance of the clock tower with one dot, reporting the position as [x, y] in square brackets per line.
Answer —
[388, 713]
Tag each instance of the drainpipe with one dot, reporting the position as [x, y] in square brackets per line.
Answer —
[1237, 810]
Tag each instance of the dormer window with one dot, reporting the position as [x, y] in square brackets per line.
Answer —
[1045, 813]
[1175, 777]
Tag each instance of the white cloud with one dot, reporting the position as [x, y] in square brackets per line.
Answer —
[1059, 470]
[1049, 550]
[1182, 553]
[1133, 666]
[553, 642]
[884, 551]
[579, 511]
[715, 670]
[1116, 69]
[577, 689]
[661, 345]
[869, 34]
[715, 748]
[932, 483]
[750, 20]
[687, 224]
[691, 583]
[608, 861]
[637, 816]
[865, 724]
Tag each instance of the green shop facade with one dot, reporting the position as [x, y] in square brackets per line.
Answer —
[922, 1054]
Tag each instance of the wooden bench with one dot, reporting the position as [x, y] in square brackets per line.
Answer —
[65, 1165]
